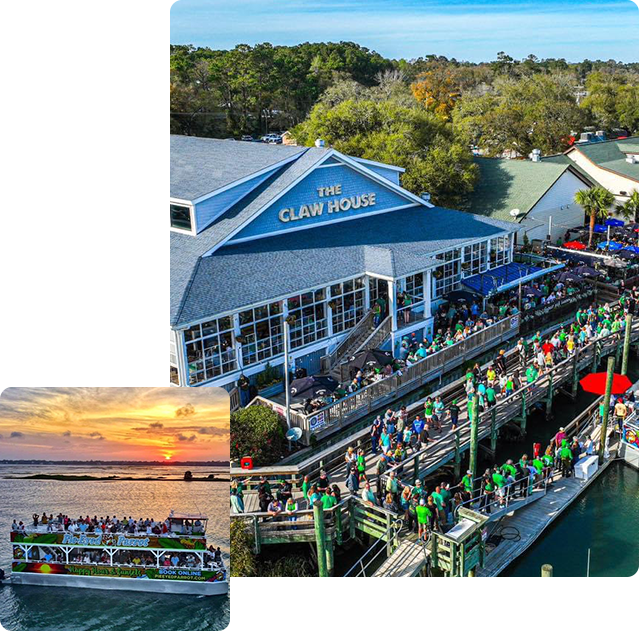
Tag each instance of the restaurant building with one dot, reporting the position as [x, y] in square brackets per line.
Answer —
[262, 232]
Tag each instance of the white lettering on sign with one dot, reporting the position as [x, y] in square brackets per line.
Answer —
[343, 204]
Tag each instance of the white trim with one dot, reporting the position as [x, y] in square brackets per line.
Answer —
[317, 225]
[392, 167]
[227, 187]
[334, 164]
[193, 230]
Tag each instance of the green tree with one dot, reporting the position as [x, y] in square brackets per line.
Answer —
[596, 202]
[243, 562]
[410, 137]
[629, 210]
[521, 114]
[257, 431]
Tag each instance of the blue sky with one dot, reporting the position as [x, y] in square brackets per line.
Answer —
[473, 30]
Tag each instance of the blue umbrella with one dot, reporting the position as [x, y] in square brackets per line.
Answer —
[614, 222]
[600, 229]
[610, 245]
[632, 248]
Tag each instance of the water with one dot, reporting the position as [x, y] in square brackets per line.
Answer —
[28, 608]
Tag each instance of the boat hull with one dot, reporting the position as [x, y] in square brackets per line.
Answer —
[216, 588]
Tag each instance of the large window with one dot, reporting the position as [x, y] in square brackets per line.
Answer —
[446, 277]
[347, 302]
[475, 259]
[309, 310]
[210, 349]
[499, 251]
[180, 217]
[261, 331]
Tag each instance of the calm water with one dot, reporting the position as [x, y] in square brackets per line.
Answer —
[29, 608]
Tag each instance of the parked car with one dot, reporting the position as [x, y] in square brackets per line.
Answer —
[247, 138]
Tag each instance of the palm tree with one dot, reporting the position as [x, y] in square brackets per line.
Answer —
[596, 202]
[630, 208]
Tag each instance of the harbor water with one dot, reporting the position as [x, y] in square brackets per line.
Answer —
[29, 608]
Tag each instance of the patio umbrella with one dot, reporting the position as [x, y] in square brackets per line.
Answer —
[531, 291]
[372, 358]
[600, 229]
[632, 248]
[588, 272]
[309, 387]
[459, 295]
[614, 222]
[613, 246]
[626, 255]
[565, 277]
[575, 245]
[596, 383]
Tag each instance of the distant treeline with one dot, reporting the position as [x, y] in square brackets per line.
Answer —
[424, 114]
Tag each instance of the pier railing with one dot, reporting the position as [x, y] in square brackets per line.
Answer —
[353, 407]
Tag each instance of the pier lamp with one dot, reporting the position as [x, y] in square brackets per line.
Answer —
[289, 321]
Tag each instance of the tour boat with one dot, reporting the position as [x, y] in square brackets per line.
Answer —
[175, 562]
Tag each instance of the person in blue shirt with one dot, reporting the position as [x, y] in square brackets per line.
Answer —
[403, 351]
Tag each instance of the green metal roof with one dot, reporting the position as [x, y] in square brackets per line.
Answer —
[508, 184]
[610, 155]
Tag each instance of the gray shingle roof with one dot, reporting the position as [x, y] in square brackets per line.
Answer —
[391, 244]
[202, 165]
[610, 155]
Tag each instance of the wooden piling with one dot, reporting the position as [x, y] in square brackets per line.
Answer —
[606, 409]
[457, 456]
[320, 533]
[546, 570]
[493, 430]
[474, 433]
[626, 345]
[549, 395]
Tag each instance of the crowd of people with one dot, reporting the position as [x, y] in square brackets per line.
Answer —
[64, 523]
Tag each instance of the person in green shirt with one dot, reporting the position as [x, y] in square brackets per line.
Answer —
[566, 459]
[423, 517]
[306, 485]
[328, 500]
[467, 483]
[418, 490]
[487, 496]
[509, 468]
[500, 483]
[439, 503]
[291, 508]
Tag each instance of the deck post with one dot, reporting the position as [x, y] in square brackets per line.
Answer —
[606, 409]
[320, 534]
[330, 558]
[546, 570]
[351, 519]
[256, 534]
[493, 430]
[626, 344]
[575, 376]
[416, 468]
[549, 396]
[338, 524]
[457, 456]
[618, 351]
[595, 356]
[474, 432]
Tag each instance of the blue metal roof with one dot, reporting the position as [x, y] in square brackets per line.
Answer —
[506, 277]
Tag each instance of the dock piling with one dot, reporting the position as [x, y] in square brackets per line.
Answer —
[546, 570]
[626, 345]
[606, 409]
[320, 533]
[474, 433]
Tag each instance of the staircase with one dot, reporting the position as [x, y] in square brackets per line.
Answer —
[358, 334]
[407, 560]
[365, 339]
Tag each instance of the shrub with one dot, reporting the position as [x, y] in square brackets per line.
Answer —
[257, 431]
[242, 556]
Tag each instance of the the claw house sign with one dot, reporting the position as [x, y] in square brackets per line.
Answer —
[329, 206]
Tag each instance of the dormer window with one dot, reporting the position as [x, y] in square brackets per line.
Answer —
[181, 217]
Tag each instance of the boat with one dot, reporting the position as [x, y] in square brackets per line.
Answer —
[172, 557]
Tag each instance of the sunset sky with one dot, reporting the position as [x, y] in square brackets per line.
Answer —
[114, 424]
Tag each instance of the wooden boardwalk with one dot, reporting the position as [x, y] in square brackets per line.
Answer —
[407, 560]
[531, 521]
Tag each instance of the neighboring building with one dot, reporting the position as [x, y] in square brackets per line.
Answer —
[613, 163]
[287, 139]
[260, 231]
[529, 193]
